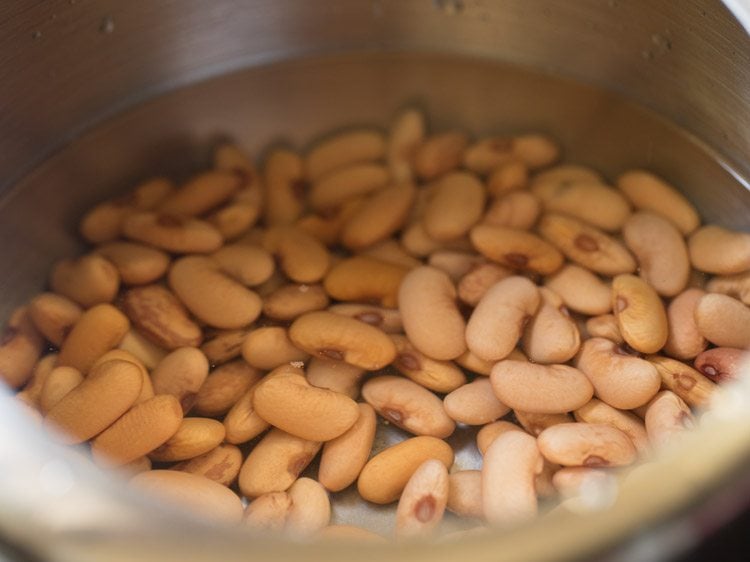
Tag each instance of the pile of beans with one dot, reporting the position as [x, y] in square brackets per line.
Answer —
[220, 335]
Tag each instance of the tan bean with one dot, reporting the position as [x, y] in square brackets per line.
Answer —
[284, 187]
[622, 380]
[98, 330]
[574, 481]
[684, 341]
[103, 223]
[211, 296]
[148, 194]
[287, 401]
[392, 252]
[201, 194]
[535, 150]
[507, 176]
[223, 345]
[88, 280]
[365, 279]
[141, 430]
[242, 423]
[407, 133]
[423, 501]
[492, 431]
[551, 336]
[221, 464]
[57, 384]
[604, 326]
[465, 494]
[344, 149]
[137, 264]
[201, 496]
[224, 386]
[236, 218]
[250, 265]
[737, 286]
[650, 193]
[302, 257]
[342, 184]
[455, 264]
[193, 437]
[534, 423]
[640, 314]
[563, 174]
[181, 374]
[581, 290]
[598, 412]
[349, 534]
[310, 508]
[147, 387]
[498, 321]
[275, 463]
[510, 466]
[474, 403]
[417, 242]
[723, 320]
[33, 388]
[387, 319]
[335, 375]
[687, 383]
[488, 153]
[455, 205]
[408, 405]
[147, 352]
[542, 389]
[333, 336]
[385, 475]
[20, 348]
[475, 283]
[476, 364]
[343, 457]
[327, 228]
[589, 201]
[268, 512]
[269, 347]
[378, 217]
[516, 209]
[721, 364]
[53, 316]
[586, 245]
[516, 249]
[230, 157]
[291, 301]
[108, 391]
[586, 444]
[439, 154]
[667, 416]
[439, 376]
[179, 235]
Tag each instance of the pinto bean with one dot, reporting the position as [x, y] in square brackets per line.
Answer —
[640, 314]
[687, 383]
[423, 501]
[721, 363]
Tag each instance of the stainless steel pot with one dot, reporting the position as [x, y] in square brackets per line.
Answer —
[67, 67]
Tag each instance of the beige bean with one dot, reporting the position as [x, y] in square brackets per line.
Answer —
[40, 371]
[286, 400]
[268, 512]
[535, 150]
[284, 187]
[343, 457]
[660, 250]
[535, 423]
[221, 346]
[581, 290]
[201, 496]
[408, 405]
[224, 386]
[103, 222]
[365, 279]
[141, 430]
[650, 193]
[417, 242]
[406, 134]
[667, 416]
[147, 387]
[310, 508]
[439, 154]
[146, 351]
[423, 501]
[684, 341]
[543, 389]
[455, 205]
[344, 149]
[622, 380]
[516, 209]
[551, 335]
[455, 264]
[507, 176]
[98, 330]
[498, 321]
[604, 326]
[687, 383]
[275, 463]
[586, 444]
[439, 376]
[148, 194]
[20, 348]
[563, 174]
[510, 466]
[516, 249]
[492, 431]
[57, 384]
[160, 317]
[302, 257]
[475, 283]
[589, 201]
[465, 493]
[181, 374]
[327, 228]
[721, 364]
[269, 347]
[250, 265]
[378, 217]
[236, 218]
[392, 252]
[333, 336]
[108, 391]
[387, 319]
[288, 302]
[342, 184]
[88, 280]
[221, 464]
[737, 286]
[640, 314]
[53, 316]
[211, 296]
[137, 264]
[575, 481]
[180, 235]
[193, 437]
[723, 320]
[598, 412]
[586, 245]
[242, 423]
[335, 375]
[231, 158]
[474, 403]
[476, 364]
[385, 475]
[201, 194]
[488, 153]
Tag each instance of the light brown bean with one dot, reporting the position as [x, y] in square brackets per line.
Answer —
[721, 364]
[737, 286]
[535, 423]
[302, 257]
[365, 279]
[455, 205]
[387, 319]
[551, 335]
[517, 209]
[581, 290]
[590, 201]
[88, 280]
[573, 481]
[221, 346]
[507, 176]
[687, 383]
[486, 154]
[536, 150]
[344, 149]
[224, 386]
[146, 351]
[248, 264]
[465, 494]
[181, 374]
[455, 264]
[137, 264]
[476, 282]
[474, 403]
[439, 376]
[344, 457]
[349, 182]
[723, 320]
[439, 154]
[604, 326]
[667, 417]
[310, 508]
[103, 222]
[202, 193]
[567, 173]
[236, 218]
[290, 301]
[598, 412]
[423, 501]
[20, 349]
[492, 431]
[415, 241]
[586, 444]
[221, 464]
[33, 388]
[98, 330]
[378, 217]
[268, 512]
[242, 423]
[193, 437]
[684, 341]
[406, 134]
[640, 314]
[269, 347]
[392, 252]
[147, 388]
[516, 249]
[179, 235]
[57, 384]
[53, 316]
[149, 193]
[284, 186]
[335, 375]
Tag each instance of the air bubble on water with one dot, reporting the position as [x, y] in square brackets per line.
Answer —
[450, 7]
[107, 24]
[36, 34]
